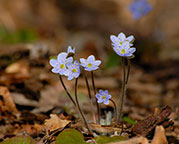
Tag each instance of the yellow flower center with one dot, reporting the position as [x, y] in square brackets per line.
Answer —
[103, 96]
[89, 65]
[74, 70]
[62, 66]
[123, 51]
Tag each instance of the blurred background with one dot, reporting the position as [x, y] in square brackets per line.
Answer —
[33, 30]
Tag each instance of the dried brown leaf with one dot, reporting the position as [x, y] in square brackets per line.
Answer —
[159, 137]
[8, 101]
[160, 116]
[15, 73]
[55, 122]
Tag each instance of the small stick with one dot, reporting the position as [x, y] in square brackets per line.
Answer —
[94, 89]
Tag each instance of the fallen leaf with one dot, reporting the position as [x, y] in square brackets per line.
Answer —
[8, 101]
[70, 136]
[19, 140]
[160, 116]
[137, 140]
[159, 137]
[55, 122]
[105, 139]
[15, 73]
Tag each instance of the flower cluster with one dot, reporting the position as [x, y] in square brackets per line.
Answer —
[122, 45]
[140, 8]
[64, 64]
[67, 66]
[103, 97]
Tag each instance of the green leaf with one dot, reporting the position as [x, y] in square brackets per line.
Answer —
[105, 139]
[19, 140]
[128, 120]
[70, 136]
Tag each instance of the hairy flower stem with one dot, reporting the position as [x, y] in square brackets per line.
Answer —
[78, 106]
[115, 108]
[89, 94]
[94, 89]
[121, 102]
[128, 70]
[61, 80]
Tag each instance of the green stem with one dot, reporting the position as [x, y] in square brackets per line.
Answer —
[115, 108]
[78, 106]
[90, 98]
[61, 80]
[94, 89]
[121, 102]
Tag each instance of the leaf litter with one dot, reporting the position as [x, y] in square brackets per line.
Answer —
[28, 109]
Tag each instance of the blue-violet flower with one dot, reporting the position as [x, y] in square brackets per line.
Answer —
[59, 64]
[140, 8]
[120, 39]
[124, 50]
[103, 97]
[73, 70]
[70, 50]
[90, 63]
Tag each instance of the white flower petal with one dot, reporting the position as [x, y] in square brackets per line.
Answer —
[91, 58]
[100, 100]
[125, 45]
[53, 62]
[54, 70]
[106, 102]
[122, 37]
[97, 62]
[114, 39]
[69, 49]
[82, 60]
[62, 56]
[132, 50]
[130, 38]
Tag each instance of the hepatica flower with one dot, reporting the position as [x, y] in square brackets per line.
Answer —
[73, 70]
[140, 8]
[59, 64]
[120, 39]
[90, 63]
[103, 97]
[122, 45]
[124, 50]
[70, 51]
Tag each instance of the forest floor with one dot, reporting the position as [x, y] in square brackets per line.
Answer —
[30, 93]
